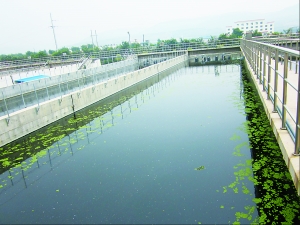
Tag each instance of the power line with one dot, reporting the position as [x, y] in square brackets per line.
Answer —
[53, 31]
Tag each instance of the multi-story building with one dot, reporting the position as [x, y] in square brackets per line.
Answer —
[251, 25]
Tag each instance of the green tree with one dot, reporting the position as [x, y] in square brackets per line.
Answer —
[29, 53]
[256, 33]
[212, 40]
[75, 49]
[39, 54]
[276, 33]
[61, 51]
[118, 57]
[135, 45]
[223, 36]
[87, 48]
[107, 48]
[288, 31]
[171, 41]
[237, 33]
[124, 45]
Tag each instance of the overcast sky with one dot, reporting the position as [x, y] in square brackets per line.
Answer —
[25, 24]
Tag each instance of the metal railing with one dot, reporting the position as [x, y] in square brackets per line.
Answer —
[287, 42]
[111, 55]
[23, 95]
[277, 69]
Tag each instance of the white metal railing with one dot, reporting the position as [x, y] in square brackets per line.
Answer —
[22, 95]
[287, 42]
[277, 69]
[35, 63]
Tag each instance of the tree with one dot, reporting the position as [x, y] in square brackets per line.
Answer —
[107, 48]
[288, 31]
[212, 40]
[87, 48]
[75, 49]
[61, 51]
[39, 54]
[237, 33]
[135, 45]
[29, 53]
[256, 33]
[171, 41]
[276, 33]
[118, 57]
[124, 45]
[223, 36]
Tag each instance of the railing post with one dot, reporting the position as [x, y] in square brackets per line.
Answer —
[284, 94]
[8, 117]
[255, 60]
[37, 98]
[297, 62]
[252, 57]
[275, 81]
[22, 95]
[264, 69]
[297, 138]
[269, 71]
[291, 62]
[260, 64]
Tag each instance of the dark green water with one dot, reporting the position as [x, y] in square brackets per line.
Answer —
[173, 152]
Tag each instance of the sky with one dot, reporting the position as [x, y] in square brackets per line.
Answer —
[25, 24]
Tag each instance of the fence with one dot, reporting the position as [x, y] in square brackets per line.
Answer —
[287, 42]
[108, 56]
[277, 69]
[19, 96]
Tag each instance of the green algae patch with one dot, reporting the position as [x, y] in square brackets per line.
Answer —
[200, 168]
[276, 198]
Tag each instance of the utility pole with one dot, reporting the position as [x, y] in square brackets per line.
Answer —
[96, 39]
[129, 39]
[92, 38]
[53, 31]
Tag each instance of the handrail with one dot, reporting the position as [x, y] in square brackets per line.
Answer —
[271, 65]
[282, 49]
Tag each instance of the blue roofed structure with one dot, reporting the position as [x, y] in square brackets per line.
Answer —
[28, 79]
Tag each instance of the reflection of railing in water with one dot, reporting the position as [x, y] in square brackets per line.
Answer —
[72, 142]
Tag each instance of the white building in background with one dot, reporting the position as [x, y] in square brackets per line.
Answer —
[251, 25]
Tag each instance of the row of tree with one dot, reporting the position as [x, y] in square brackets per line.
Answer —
[237, 33]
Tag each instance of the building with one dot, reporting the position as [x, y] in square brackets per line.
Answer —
[251, 25]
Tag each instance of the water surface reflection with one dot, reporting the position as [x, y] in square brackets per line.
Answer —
[133, 158]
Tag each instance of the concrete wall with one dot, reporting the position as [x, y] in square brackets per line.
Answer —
[32, 118]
